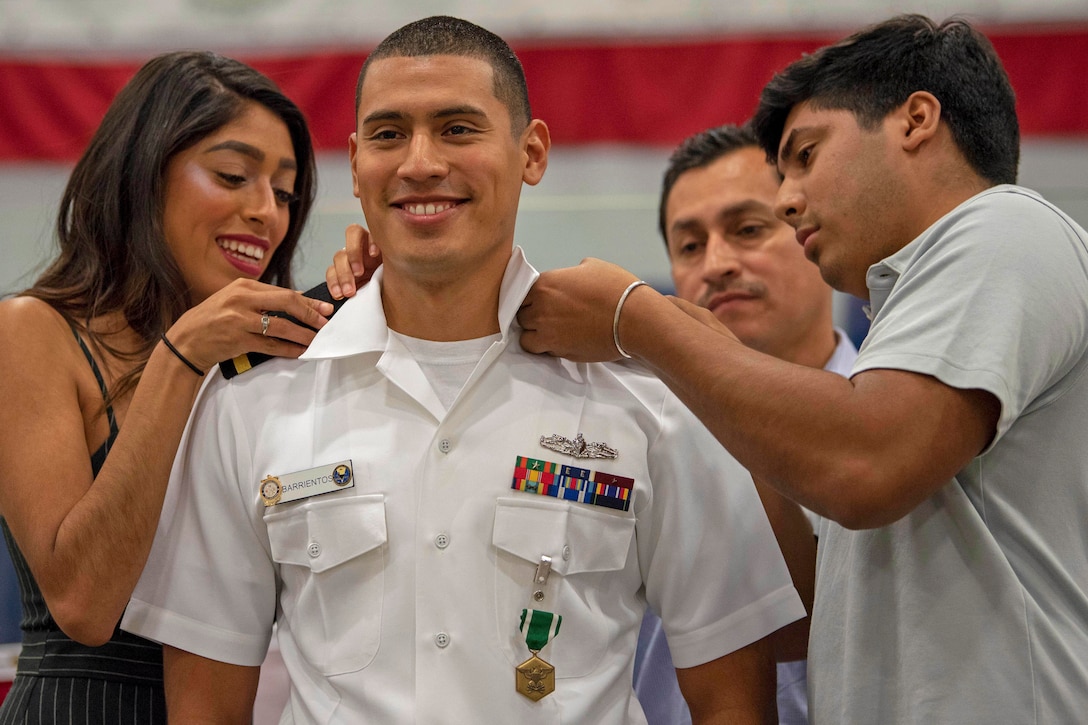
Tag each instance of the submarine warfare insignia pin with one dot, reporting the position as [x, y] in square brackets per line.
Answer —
[578, 447]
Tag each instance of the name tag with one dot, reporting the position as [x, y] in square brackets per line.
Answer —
[304, 484]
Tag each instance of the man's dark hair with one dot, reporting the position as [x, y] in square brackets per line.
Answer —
[443, 35]
[875, 70]
[695, 152]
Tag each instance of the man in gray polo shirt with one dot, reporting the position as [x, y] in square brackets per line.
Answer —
[951, 585]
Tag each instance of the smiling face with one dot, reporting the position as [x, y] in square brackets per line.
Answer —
[844, 192]
[730, 254]
[226, 201]
[438, 168]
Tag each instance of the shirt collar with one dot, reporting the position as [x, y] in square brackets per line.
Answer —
[882, 276]
[360, 325]
[842, 359]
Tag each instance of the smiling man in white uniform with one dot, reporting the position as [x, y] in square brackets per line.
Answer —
[446, 528]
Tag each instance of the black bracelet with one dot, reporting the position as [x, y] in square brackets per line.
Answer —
[181, 357]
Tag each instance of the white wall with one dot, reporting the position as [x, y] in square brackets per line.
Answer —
[598, 201]
[594, 201]
[136, 25]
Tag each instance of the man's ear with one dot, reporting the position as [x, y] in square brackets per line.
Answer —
[353, 148]
[920, 116]
[536, 140]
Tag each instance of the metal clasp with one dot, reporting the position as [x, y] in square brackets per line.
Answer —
[540, 578]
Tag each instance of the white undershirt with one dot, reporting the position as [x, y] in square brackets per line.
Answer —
[447, 365]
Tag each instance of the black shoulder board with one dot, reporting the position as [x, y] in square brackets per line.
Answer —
[247, 361]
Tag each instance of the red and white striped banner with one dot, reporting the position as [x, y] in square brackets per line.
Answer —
[626, 88]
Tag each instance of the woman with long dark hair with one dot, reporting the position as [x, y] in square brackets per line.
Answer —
[183, 212]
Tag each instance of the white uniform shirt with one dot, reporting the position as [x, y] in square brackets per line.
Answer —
[398, 599]
[973, 608]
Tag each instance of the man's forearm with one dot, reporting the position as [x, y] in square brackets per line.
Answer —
[863, 451]
[200, 690]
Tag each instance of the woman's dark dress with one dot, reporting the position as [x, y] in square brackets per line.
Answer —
[59, 680]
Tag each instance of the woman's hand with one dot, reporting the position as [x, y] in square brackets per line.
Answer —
[354, 265]
[231, 322]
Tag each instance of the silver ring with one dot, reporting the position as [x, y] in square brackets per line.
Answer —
[265, 319]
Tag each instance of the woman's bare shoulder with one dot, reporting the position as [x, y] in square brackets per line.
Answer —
[32, 333]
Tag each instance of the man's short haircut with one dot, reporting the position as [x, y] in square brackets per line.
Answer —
[874, 71]
[695, 152]
[444, 35]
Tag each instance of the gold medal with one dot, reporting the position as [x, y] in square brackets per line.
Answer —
[535, 678]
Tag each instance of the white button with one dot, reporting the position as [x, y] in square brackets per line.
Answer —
[442, 541]
[314, 549]
[442, 639]
[566, 553]
[444, 445]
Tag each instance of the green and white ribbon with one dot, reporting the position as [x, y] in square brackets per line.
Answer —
[539, 627]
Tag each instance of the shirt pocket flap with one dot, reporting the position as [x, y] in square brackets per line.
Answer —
[577, 538]
[324, 534]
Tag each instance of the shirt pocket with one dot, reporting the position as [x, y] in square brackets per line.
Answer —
[588, 583]
[331, 557]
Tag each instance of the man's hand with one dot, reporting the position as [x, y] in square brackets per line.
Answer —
[354, 265]
[569, 312]
[701, 314]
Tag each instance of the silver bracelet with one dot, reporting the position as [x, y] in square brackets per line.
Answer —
[616, 319]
